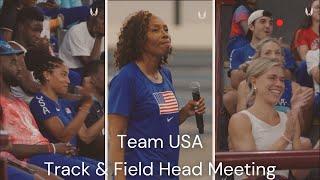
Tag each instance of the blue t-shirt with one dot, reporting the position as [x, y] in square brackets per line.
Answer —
[152, 112]
[284, 103]
[302, 76]
[43, 108]
[246, 53]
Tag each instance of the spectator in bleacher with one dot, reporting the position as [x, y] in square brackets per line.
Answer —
[12, 172]
[93, 84]
[72, 14]
[313, 66]
[84, 42]
[29, 25]
[27, 35]
[261, 127]
[60, 120]
[239, 24]
[8, 16]
[307, 36]
[260, 24]
[27, 143]
[272, 48]
[27, 85]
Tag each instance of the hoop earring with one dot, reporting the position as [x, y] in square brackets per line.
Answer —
[95, 12]
[307, 12]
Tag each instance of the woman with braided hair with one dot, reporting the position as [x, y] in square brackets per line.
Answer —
[60, 120]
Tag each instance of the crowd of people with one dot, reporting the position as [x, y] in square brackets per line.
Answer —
[274, 100]
[52, 95]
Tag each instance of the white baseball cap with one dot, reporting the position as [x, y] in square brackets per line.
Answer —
[255, 15]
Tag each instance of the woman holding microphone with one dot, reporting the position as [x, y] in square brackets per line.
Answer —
[142, 98]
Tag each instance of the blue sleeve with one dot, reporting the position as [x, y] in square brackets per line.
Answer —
[290, 62]
[235, 59]
[121, 95]
[42, 109]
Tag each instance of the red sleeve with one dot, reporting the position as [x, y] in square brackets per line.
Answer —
[301, 38]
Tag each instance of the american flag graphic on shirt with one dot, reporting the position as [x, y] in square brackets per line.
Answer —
[167, 102]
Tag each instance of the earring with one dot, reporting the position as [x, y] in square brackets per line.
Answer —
[254, 89]
[95, 12]
[307, 12]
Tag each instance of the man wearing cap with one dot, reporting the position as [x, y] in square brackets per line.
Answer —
[26, 141]
[260, 25]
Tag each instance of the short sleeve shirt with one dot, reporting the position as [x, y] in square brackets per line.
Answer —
[19, 122]
[312, 59]
[43, 108]
[152, 111]
[240, 14]
[77, 42]
[308, 37]
[246, 53]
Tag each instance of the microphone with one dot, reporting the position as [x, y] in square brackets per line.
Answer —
[195, 86]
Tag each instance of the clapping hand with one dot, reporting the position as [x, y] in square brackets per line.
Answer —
[301, 98]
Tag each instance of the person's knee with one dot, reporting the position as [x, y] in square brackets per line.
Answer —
[305, 143]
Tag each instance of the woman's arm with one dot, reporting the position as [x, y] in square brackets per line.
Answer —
[87, 135]
[315, 74]
[243, 92]
[65, 133]
[296, 144]
[302, 50]
[240, 136]
[25, 151]
[118, 125]
[303, 97]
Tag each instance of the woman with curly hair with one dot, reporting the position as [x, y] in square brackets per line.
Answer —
[142, 99]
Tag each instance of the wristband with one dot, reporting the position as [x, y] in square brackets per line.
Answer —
[54, 148]
[287, 139]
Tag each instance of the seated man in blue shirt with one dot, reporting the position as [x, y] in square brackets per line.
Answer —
[260, 25]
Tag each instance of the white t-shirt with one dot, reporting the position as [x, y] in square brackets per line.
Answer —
[77, 42]
[312, 59]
